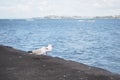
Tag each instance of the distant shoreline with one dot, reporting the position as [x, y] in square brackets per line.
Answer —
[32, 19]
[71, 17]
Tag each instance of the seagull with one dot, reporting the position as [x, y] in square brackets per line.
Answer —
[42, 51]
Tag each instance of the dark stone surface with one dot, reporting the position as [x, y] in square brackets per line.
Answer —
[19, 65]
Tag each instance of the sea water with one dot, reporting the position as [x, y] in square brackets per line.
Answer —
[93, 42]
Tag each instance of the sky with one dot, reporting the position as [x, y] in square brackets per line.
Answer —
[39, 8]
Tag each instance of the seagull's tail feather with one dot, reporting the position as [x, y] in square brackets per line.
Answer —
[29, 51]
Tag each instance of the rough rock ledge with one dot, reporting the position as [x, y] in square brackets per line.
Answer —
[19, 65]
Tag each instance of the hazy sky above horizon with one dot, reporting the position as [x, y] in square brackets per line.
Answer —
[37, 8]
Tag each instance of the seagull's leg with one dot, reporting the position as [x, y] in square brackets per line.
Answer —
[45, 53]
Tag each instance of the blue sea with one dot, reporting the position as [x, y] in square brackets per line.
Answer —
[95, 42]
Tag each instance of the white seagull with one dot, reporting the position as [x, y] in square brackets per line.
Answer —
[42, 51]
